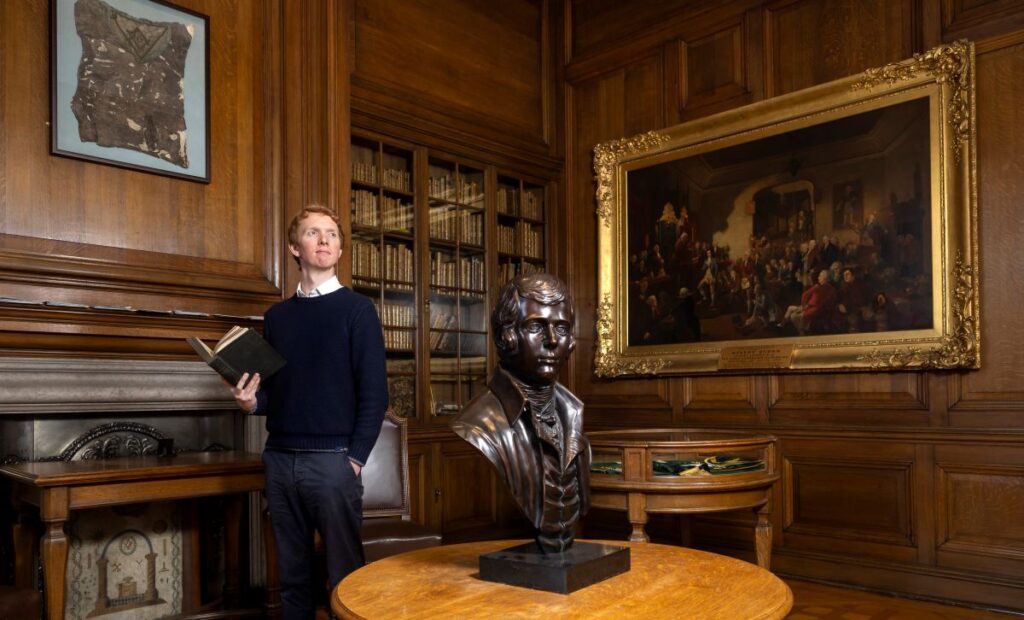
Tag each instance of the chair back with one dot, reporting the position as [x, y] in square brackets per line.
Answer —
[386, 475]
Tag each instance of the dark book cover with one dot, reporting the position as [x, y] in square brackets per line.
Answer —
[240, 351]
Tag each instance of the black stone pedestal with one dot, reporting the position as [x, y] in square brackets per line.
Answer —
[581, 565]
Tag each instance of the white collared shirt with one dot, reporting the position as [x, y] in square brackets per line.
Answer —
[328, 286]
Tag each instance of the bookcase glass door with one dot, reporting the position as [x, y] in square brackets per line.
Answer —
[520, 232]
[383, 248]
[458, 289]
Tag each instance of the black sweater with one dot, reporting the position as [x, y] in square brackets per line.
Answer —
[333, 391]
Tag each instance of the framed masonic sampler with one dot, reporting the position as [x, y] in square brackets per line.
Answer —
[833, 228]
[130, 85]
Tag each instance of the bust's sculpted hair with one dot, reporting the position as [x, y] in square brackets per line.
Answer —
[541, 287]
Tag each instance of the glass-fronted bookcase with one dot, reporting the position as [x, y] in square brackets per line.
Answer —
[434, 237]
[383, 253]
[520, 227]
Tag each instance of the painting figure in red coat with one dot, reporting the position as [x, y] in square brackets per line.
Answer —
[816, 313]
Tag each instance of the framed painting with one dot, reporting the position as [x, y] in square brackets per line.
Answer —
[833, 228]
[130, 86]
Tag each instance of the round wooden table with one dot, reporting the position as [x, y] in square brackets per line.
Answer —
[634, 487]
[663, 582]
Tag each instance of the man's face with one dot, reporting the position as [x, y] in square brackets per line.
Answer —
[319, 246]
[545, 341]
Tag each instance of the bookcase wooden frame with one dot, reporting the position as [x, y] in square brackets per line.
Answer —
[452, 222]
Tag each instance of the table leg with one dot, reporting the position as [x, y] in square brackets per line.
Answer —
[232, 558]
[763, 538]
[54, 513]
[637, 510]
[685, 530]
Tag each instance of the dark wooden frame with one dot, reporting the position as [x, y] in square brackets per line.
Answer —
[56, 113]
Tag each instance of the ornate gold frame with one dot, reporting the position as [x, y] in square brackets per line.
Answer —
[944, 76]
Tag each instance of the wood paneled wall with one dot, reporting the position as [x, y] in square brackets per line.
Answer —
[905, 482]
[95, 235]
[908, 482]
[471, 77]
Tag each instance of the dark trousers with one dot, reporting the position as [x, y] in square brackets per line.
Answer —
[309, 491]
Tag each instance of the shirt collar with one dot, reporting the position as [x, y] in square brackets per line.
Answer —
[328, 286]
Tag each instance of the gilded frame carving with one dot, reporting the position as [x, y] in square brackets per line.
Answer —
[882, 162]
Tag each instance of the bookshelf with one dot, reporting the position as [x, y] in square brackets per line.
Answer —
[383, 253]
[456, 213]
[433, 238]
[520, 208]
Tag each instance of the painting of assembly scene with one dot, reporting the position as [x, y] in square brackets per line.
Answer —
[833, 228]
[823, 230]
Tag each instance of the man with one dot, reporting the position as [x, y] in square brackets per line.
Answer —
[324, 411]
[817, 311]
[829, 250]
[852, 301]
[526, 424]
[709, 282]
[686, 323]
[819, 304]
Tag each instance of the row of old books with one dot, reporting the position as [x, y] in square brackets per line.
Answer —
[443, 188]
[511, 269]
[471, 367]
[443, 341]
[467, 272]
[523, 238]
[397, 215]
[398, 339]
[527, 203]
[363, 172]
[396, 264]
[394, 315]
[448, 224]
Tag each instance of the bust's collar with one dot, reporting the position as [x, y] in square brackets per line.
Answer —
[512, 399]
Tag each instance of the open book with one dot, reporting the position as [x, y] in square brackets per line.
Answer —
[241, 350]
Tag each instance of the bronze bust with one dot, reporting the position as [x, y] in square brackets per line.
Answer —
[527, 424]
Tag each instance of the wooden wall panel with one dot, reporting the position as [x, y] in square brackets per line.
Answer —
[718, 399]
[467, 64]
[622, 103]
[897, 399]
[980, 19]
[849, 497]
[598, 24]
[714, 72]
[810, 42]
[994, 396]
[421, 487]
[978, 509]
[468, 494]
